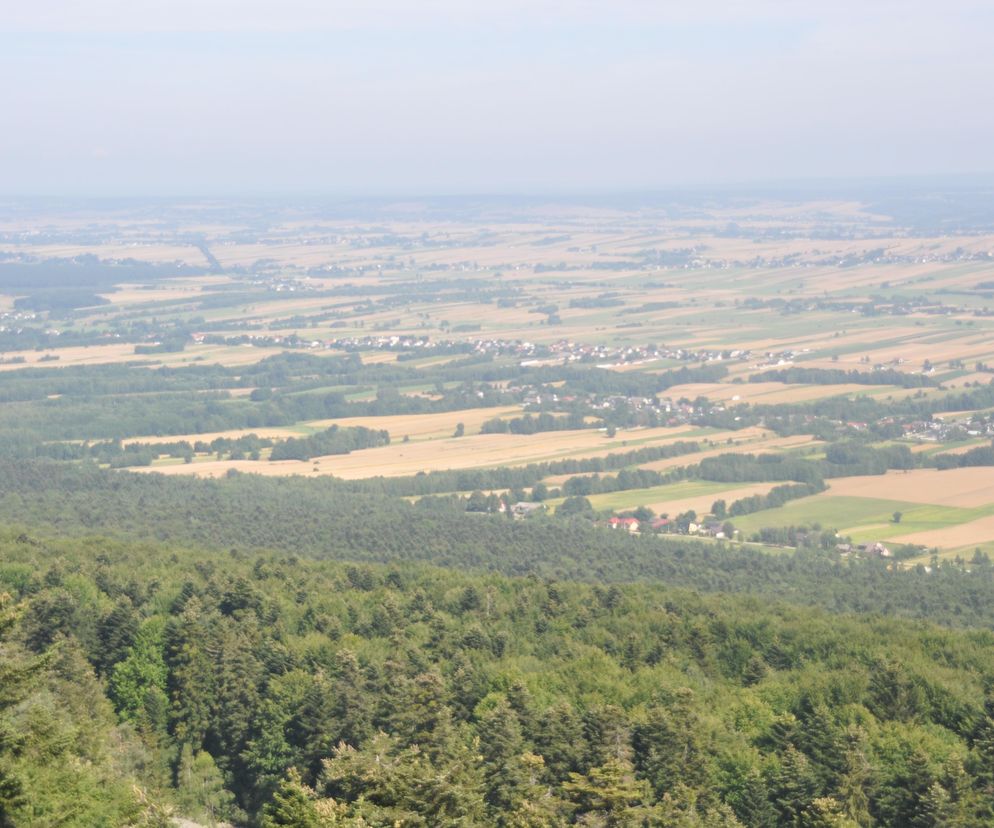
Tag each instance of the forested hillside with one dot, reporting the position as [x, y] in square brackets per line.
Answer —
[272, 690]
[323, 519]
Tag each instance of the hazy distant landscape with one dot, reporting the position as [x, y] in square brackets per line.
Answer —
[491, 333]
[473, 415]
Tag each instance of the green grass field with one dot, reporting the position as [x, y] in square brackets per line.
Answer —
[864, 519]
[827, 511]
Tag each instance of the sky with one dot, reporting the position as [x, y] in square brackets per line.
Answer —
[383, 97]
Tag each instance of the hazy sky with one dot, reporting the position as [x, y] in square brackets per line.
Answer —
[455, 96]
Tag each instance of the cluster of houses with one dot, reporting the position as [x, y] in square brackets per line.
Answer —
[708, 527]
[938, 430]
[9, 320]
[668, 411]
[777, 359]
[867, 550]
[564, 351]
[521, 510]
[638, 354]
[285, 284]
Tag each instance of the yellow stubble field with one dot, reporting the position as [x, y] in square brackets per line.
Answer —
[967, 487]
[469, 452]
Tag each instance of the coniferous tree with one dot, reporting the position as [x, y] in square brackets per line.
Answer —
[191, 674]
[537, 805]
[793, 787]
[753, 805]
[559, 739]
[855, 781]
[501, 746]
[350, 700]
[116, 633]
[609, 792]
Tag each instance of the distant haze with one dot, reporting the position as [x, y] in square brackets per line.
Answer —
[111, 97]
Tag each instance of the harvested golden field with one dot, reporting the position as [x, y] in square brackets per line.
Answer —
[967, 487]
[472, 451]
[966, 448]
[967, 349]
[744, 445]
[952, 537]
[79, 355]
[134, 295]
[274, 433]
[378, 357]
[980, 377]
[129, 294]
[424, 426]
[120, 352]
[488, 450]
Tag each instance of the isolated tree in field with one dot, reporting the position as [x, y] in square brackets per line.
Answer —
[896, 517]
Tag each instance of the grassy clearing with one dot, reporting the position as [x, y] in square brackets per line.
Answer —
[871, 519]
[829, 512]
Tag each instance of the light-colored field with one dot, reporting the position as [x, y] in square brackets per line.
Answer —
[278, 433]
[966, 488]
[425, 426]
[416, 426]
[146, 252]
[469, 452]
[82, 355]
[118, 352]
[378, 357]
[760, 444]
[184, 288]
[965, 534]
[747, 440]
[972, 444]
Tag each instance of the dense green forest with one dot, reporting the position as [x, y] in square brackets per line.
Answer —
[143, 680]
[323, 518]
